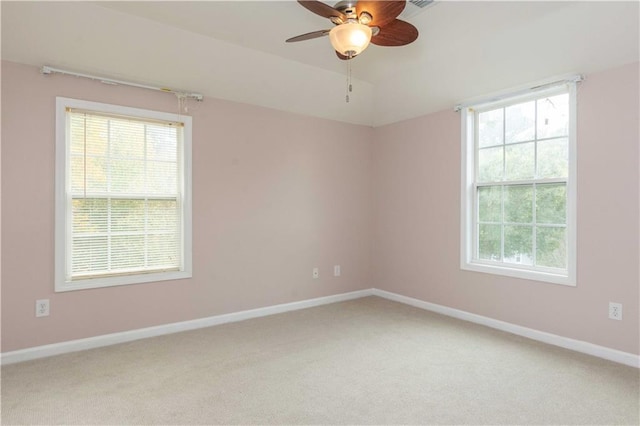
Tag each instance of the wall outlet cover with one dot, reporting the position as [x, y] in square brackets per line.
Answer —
[42, 308]
[615, 311]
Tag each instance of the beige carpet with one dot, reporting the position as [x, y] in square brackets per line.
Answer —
[367, 361]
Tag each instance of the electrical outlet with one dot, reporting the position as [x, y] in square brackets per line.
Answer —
[316, 273]
[615, 311]
[42, 308]
[336, 270]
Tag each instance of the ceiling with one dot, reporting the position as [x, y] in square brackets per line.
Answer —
[235, 50]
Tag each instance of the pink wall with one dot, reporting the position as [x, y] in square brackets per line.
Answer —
[417, 221]
[274, 195]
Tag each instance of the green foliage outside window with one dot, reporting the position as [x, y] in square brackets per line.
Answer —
[522, 165]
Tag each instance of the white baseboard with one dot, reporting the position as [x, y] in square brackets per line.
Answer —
[142, 333]
[127, 336]
[541, 336]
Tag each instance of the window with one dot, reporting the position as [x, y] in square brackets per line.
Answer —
[519, 185]
[123, 195]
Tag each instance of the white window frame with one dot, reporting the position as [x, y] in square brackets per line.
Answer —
[469, 212]
[63, 196]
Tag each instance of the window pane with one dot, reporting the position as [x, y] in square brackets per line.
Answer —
[89, 216]
[490, 204]
[553, 116]
[94, 180]
[89, 254]
[518, 244]
[551, 247]
[518, 203]
[490, 128]
[88, 132]
[490, 164]
[163, 215]
[519, 161]
[76, 129]
[161, 143]
[127, 139]
[163, 251]
[127, 252]
[127, 176]
[553, 158]
[162, 178]
[520, 122]
[127, 215]
[77, 175]
[551, 202]
[489, 237]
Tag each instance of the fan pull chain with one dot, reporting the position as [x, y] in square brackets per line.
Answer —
[349, 86]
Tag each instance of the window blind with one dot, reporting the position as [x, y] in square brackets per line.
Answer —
[124, 190]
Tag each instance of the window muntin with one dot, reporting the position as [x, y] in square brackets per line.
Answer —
[518, 187]
[123, 196]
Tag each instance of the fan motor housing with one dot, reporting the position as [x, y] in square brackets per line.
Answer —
[348, 7]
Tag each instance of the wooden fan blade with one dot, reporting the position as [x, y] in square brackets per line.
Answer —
[308, 36]
[322, 9]
[396, 33]
[382, 12]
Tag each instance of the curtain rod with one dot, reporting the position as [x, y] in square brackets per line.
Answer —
[49, 70]
[573, 79]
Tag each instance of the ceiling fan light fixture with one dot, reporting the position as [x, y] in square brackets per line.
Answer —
[350, 38]
[365, 18]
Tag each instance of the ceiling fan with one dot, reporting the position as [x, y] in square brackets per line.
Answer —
[359, 22]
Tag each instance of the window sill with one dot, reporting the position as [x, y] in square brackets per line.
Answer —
[547, 277]
[62, 285]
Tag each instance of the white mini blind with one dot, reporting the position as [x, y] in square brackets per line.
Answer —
[124, 194]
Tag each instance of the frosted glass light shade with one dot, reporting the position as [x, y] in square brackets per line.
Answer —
[350, 38]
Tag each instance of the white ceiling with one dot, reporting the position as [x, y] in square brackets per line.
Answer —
[235, 50]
